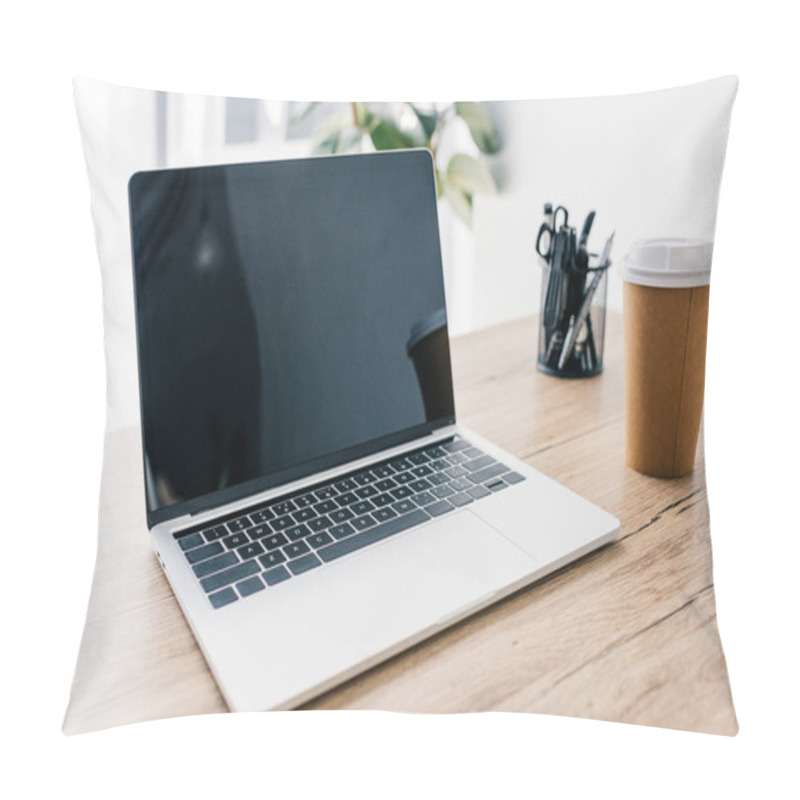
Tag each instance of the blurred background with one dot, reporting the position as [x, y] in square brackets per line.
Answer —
[648, 164]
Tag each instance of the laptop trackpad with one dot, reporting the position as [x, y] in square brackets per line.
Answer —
[344, 616]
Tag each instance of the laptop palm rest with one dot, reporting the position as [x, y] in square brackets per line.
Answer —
[363, 608]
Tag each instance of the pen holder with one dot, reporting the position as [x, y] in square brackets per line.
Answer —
[572, 320]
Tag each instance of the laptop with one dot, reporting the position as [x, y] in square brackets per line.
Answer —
[310, 495]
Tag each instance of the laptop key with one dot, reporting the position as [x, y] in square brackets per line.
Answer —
[325, 493]
[284, 507]
[457, 458]
[250, 551]
[385, 485]
[435, 452]
[400, 492]
[456, 472]
[422, 471]
[191, 541]
[296, 549]
[219, 599]
[340, 531]
[272, 559]
[440, 464]
[382, 471]
[362, 523]
[366, 491]
[319, 523]
[228, 576]
[443, 491]
[276, 540]
[264, 515]
[438, 478]
[282, 523]
[473, 452]
[384, 514]
[477, 492]
[399, 464]
[404, 506]
[483, 475]
[424, 498]
[479, 463]
[362, 508]
[236, 525]
[405, 477]
[237, 540]
[382, 500]
[217, 532]
[346, 499]
[363, 478]
[376, 534]
[325, 507]
[215, 564]
[417, 458]
[347, 485]
[277, 575]
[461, 484]
[513, 477]
[305, 500]
[304, 514]
[250, 586]
[436, 509]
[461, 499]
[296, 533]
[341, 514]
[304, 564]
[419, 486]
[259, 532]
[497, 485]
[455, 445]
[319, 540]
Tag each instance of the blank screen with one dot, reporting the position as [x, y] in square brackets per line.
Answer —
[290, 314]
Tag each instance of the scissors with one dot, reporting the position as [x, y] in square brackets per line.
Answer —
[547, 235]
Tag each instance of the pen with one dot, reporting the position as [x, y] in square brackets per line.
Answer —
[575, 327]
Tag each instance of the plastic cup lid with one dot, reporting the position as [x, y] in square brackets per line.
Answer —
[669, 263]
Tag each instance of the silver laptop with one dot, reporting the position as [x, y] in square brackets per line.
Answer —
[311, 498]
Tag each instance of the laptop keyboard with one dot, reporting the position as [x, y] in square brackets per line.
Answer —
[264, 546]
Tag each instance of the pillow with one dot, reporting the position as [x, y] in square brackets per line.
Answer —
[628, 634]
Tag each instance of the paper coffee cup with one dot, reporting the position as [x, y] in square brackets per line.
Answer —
[665, 312]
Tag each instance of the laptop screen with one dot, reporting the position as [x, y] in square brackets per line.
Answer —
[290, 317]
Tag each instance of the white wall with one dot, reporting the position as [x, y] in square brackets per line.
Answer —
[648, 164]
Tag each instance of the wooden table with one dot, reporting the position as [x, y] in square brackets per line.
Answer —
[627, 634]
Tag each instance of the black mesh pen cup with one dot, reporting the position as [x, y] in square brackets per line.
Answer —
[573, 320]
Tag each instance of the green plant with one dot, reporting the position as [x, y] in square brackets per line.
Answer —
[393, 126]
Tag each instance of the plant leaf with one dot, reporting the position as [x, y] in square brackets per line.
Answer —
[330, 144]
[480, 125]
[426, 120]
[304, 111]
[336, 134]
[360, 114]
[460, 201]
[338, 141]
[470, 175]
[386, 136]
[441, 179]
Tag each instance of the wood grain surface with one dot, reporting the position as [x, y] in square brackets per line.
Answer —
[627, 634]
